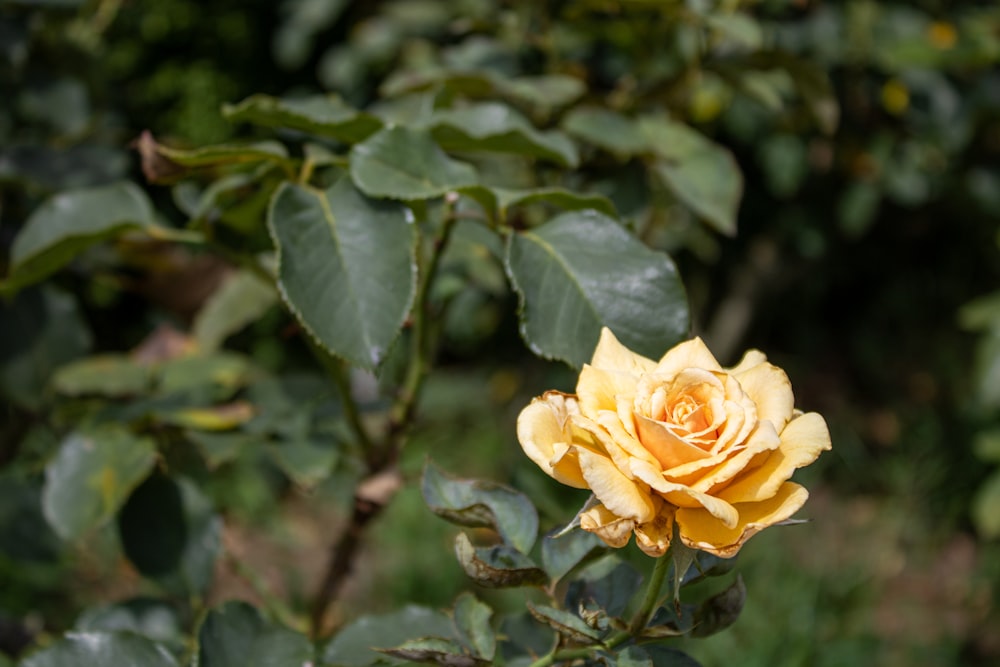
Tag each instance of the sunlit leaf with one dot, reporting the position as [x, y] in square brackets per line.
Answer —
[100, 649]
[346, 267]
[582, 271]
[91, 476]
[472, 619]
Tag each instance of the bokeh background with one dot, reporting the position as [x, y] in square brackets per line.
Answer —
[866, 264]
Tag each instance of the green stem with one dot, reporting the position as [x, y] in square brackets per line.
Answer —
[642, 616]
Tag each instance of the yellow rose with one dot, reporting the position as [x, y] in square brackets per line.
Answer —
[680, 440]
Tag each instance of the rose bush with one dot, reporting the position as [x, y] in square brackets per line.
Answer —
[682, 440]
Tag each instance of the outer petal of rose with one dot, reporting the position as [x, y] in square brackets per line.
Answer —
[544, 433]
[801, 443]
[750, 359]
[769, 388]
[654, 537]
[689, 354]
[700, 530]
[622, 496]
[613, 529]
[680, 495]
[612, 355]
[599, 389]
[762, 439]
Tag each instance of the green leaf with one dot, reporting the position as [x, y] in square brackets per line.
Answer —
[607, 582]
[101, 649]
[71, 221]
[499, 566]
[494, 127]
[701, 174]
[219, 448]
[220, 154]
[481, 504]
[112, 375]
[323, 115]
[986, 507]
[219, 374]
[403, 163]
[472, 620]
[346, 266]
[811, 80]
[24, 534]
[152, 526]
[154, 619]
[606, 129]
[654, 656]
[306, 462]
[986, 445]
[91, 476]
[42, 330]
[235, 634]
[353, 645]
[582, 271]
[503, 199]
[565, 623]
[241, 300]
[720, 611]
[547, 91]
[434, 649]
[560, 554]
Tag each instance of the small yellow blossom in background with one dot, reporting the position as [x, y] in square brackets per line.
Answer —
[682, 440]
[895, 97]
[942, 35]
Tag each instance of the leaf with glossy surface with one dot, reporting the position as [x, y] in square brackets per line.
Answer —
[700, 173]
[494, 127]
[346, 266]
[101, 649]
[560, 554]
[499, 566]
[565, 623]
[236, 634]
[481, 504]
[582, 271]
[71, 221]
[323, 115]
[403, 163]
[354, 645]
[91, 476]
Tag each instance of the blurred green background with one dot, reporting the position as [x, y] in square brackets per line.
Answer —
[865, 264]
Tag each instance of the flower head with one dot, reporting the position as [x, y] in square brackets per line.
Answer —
[682, 440]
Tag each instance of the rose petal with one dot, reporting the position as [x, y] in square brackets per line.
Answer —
[544, 433]
[801, 443]
[763, 439]
[689, 354]
[599, 389]
[654, 536]
[701, 530]
[611, 528]
[768, 387]
[612, 355]
[680, 495]
[622, 496]
[623, 437]
[750, 359]
[669, 449]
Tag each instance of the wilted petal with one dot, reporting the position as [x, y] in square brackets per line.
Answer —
[622, 496]
[612, 355]
[689, 354]
[611, 528]
[701, 530]
[654, 536]
[599, 389]
[768, 387]
[801, 443]
[680, 495]
[543, 430]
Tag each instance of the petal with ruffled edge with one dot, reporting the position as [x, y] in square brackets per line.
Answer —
[801, 443]
[701, 530]
[599, 389]
[680, 495]
[689, 354]
[611, 528]
[622, 496]
[769, 388]
[763, 439]
[543, 429]
[611, 355]
[654, 536]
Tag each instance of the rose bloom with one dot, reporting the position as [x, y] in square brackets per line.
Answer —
[682, 440]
